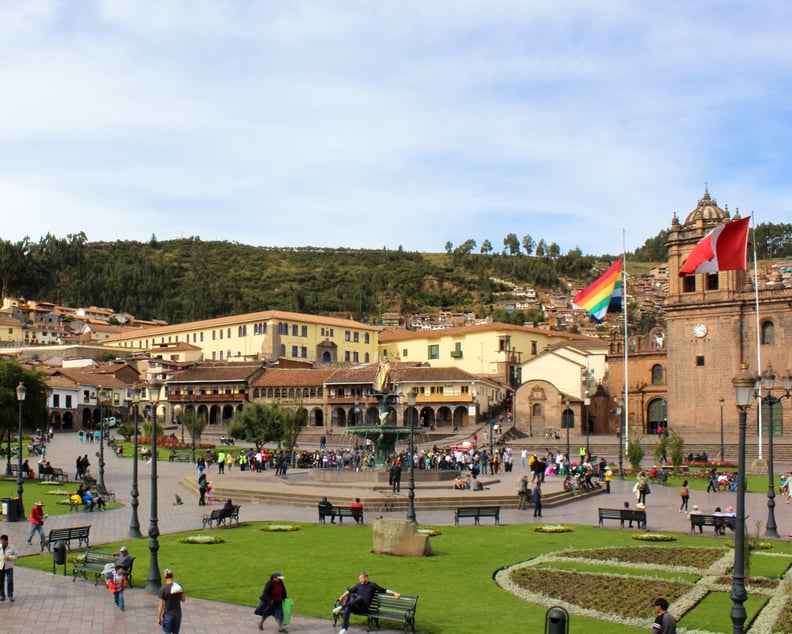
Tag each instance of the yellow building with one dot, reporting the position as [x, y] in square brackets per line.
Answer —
[495, 350]
[263, 336]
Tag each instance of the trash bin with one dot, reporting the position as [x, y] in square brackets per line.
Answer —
[4, 504]
[11, 509]
[557, 621]
[59, 553]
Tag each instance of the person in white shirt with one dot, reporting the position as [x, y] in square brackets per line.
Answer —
[7, 557]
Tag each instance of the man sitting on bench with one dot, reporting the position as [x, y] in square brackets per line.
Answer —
[358, 599]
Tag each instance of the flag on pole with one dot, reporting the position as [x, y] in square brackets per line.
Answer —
[722, 249]
[603, 295]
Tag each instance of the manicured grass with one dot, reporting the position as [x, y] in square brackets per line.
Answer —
[616, 570]
[320, 561]
[712, 613]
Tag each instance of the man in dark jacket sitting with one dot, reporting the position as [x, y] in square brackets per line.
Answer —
[358, 598]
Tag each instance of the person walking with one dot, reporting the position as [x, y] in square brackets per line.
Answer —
[536, 497]
[7, 557]
[271, 601]
[684, 493]
[357, 599]
[664, 623]
[116, 583]
[524, 491]
[169, 612]
[37, 518]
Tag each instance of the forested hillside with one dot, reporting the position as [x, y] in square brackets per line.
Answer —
[190, 279]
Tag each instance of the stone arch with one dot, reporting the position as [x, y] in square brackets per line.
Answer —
[656, 416]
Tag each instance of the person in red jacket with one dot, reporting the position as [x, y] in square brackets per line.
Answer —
[37, 518]
[116, 584]
[357, 510]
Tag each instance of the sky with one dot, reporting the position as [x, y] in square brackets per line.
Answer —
[371, 124]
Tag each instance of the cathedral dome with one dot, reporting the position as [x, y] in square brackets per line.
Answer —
[707, 210]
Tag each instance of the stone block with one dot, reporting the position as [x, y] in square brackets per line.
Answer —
[399, 537]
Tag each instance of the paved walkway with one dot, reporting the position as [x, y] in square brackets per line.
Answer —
[54, 604]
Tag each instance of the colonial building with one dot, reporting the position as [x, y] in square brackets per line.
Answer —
[264, 336]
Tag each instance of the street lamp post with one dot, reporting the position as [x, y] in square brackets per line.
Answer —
[102, 398]
[194, 421]
[566, 423]
[154, 580]
[134, 522]
[768, 383]
[589, 383]
[620, 412]
[743, 384]
[21, 392]
[722, 449]
[9, 473]
[411, 398]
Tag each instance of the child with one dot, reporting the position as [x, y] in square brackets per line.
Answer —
[209, 492]
[116, 583]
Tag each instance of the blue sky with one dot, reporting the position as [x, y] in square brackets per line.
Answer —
[382, 123]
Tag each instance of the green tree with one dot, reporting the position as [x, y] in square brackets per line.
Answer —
[541, 249]
[34, 407]
[486, 247]
[635, 452]
[194, 423]
[258, 423]
[511, 244]
[528, 244]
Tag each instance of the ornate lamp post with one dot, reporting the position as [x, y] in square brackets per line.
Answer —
[768, 383]
[620, 413]
[134, 523]
[154, 581]
[21, 392]
[102, 427]
[194, 421]
[411, 398]
[589, 383]
[177, 412]
[743, 384]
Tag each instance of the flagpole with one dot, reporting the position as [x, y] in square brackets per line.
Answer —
[758, 341]
[625, 409]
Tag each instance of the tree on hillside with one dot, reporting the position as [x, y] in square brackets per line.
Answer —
[511, 244]
[486, 247]
[528, 244]
[541, 249]
[34, 408]
[449, 247]
[553, 250]
[654, 249]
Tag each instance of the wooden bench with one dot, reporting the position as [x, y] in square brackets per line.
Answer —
[219, 517]
[477, 512]
[226, 441]
[57, 474]
[105, 492]
[342, 512]
[623, 515]
[95, 563]
[718, 522]
[385, 606]
[66, 535]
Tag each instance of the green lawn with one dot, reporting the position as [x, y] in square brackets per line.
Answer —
[319, 561]
[55, 495]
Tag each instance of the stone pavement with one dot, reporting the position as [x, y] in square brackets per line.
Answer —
[53, 603]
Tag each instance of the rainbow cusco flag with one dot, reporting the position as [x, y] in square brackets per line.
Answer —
[604, 295]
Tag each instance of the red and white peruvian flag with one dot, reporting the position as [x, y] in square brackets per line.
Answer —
[722, 249]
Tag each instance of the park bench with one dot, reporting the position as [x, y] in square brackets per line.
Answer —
[623, 515]
[180, 456]
[718, 522]
[66, 535]
[226, 441]
[341, 512]
[95, 563]
[385, 606]
[477, 512]
[105, 492]
[219, 517]
[57, 474]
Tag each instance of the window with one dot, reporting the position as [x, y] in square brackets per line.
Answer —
[346, 335]
[68, 401]
[355, 357]
[201, 336]
[228, 333]
[283, 350]
[657, 375]
[346, 356]
[434, 351]
[305, 331]
[56, 400]
[768, 333]
[366, 358]
[689, 284]
[295, 330]
[456, 353]
[356, 337]
[294, 351]
[214, 356]
[221, 355]
[214, 335]
[700, 362]
[712, 281]
[366, 337]
[304, 352]
[221, 333]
